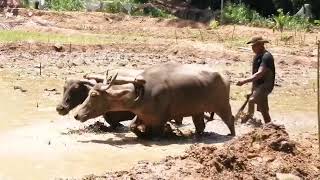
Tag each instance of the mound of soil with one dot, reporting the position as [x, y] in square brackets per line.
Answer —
[263, 153]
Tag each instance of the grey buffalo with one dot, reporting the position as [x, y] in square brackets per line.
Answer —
[161, 93]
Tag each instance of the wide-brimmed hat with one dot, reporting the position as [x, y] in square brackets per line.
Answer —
[257, 39]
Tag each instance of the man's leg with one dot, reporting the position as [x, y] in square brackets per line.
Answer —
[266, 116]
[260, 97]
[263, 105]
[251, 103]
[251, 107]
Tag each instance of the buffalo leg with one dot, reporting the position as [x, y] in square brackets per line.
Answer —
[138, 128]
[141, 130]
[198, 121]
[157, 128]
[227, 117]
[113, 124]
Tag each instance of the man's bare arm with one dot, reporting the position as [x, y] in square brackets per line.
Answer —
[261, 72]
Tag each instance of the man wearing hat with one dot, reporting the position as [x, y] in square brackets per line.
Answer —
[263, 76]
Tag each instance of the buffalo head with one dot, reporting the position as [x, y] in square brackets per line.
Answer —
[103, 98]
[74, 93]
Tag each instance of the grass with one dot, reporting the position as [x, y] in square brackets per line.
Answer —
[7, 36]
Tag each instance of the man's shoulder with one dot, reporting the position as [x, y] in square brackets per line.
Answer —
[267, 56]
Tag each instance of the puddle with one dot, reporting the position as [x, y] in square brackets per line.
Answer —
[33, 144]
[24, 108]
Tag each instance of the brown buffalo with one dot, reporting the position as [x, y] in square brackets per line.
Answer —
[76, 91]
[161, 93]
[127, 75]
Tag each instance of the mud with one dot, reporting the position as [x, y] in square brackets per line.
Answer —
[260, 154]
[53, 146]
[96, 128]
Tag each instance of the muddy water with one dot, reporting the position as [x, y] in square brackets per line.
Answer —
[23, 108]
[33, 146]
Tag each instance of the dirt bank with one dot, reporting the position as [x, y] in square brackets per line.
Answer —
[264, 153]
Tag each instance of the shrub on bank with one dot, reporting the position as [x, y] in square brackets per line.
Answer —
[241, 14]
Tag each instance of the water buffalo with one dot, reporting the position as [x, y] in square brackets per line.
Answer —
[76, 91]
[161, 93]
[128, 75]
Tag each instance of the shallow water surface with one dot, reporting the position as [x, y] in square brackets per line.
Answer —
[33, 146]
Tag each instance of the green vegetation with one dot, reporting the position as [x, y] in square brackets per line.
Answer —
[285, 21]
[135, 8]
[67, 5]
[214, 24]
[18, 36]
[240, 14]
[131, 7]
[117, 6]
[233, 13]
[25, 3]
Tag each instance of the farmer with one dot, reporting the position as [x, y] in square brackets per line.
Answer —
[263, 76]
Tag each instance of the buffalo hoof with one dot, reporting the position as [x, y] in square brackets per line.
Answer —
[142, 128]
[139, 131]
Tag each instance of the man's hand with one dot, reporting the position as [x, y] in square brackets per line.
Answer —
[240, 83]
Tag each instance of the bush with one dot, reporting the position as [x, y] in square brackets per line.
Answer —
[67, 5]
[285, 21]
[116, 6]
[260, 21]
[214, 24]
[134, 7]
[238, 14]
[241, 14]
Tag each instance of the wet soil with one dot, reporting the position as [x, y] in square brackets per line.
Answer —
[260, 154]
[53, 146]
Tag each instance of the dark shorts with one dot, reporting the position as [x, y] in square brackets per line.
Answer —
[260, 97]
